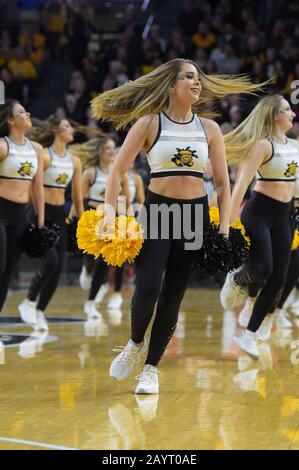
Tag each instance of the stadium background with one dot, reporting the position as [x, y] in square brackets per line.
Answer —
[56, 55]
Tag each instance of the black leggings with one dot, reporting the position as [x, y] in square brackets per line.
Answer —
[266, 221]
[100, 274]
[12, 224]
[159, 256]
[291, 280]
[46, 280]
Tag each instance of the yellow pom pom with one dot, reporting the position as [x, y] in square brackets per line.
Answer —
[126, 244]
[238, 224]
[295, 243]
[214, 215]
[86, 233]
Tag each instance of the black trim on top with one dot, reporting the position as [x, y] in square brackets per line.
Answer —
[176, 122]
[7, 145]
[157, 136]
[52, 186]
[271, 153]
[95, 176]
[277, 179]
[22, 178]
[160, 174]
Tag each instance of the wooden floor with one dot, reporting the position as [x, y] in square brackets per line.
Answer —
[58, 394]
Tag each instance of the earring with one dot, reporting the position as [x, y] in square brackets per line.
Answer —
[171, 90]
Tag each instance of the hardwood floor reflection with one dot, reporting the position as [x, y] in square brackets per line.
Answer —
[55, 389]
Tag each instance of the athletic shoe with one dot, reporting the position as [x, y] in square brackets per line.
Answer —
[246, 341]
[232, 294]
[91, 310]
[115, 300]
[148, 380]
[27, 309]
[246, 313]
[264, 331]
[281, 319]
[101, 293]
[123, 364]
[85, 279]
[42, 323]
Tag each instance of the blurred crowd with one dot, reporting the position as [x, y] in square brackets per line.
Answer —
[259, 38]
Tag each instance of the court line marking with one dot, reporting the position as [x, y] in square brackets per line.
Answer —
[36, 444]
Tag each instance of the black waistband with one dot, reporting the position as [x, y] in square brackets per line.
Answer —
[160, 174]
[54, 212]
[268, 203]
[7, 205]
[154, 198]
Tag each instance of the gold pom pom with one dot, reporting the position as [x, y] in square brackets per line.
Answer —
[238, 224]
[295, 243]
[126, 244]
[215, 218]
[86, 233]
[214, 215]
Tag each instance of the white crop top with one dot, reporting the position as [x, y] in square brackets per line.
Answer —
[179, 148]
[282, 165]
[60, 172]
[98, 187]
[21, 162]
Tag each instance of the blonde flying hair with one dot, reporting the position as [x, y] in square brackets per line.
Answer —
[149, 94]
[89, 152]
[258, 125]
[45, 131]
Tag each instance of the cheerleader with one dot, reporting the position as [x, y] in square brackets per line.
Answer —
[97, 155]
[281, 316]
[60, 168]
[165, 103]
[21, 177]
[260, 145]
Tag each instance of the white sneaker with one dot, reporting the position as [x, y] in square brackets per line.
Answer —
[27, 309]
[115, 300]
[85, 279]
[115, 316]
[246, 313]
[264, 331]
[91, 310]
[232, 294]
[246, 341]
[148, 380]
[123, 364]
[291, 299]
[281, 319]
[147, 406]
[101, 293]
[294, 308]
[42, 323]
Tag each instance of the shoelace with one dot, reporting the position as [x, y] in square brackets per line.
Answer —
[127, 354]
[147, 376]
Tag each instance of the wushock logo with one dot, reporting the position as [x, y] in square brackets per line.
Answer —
[295, 354]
